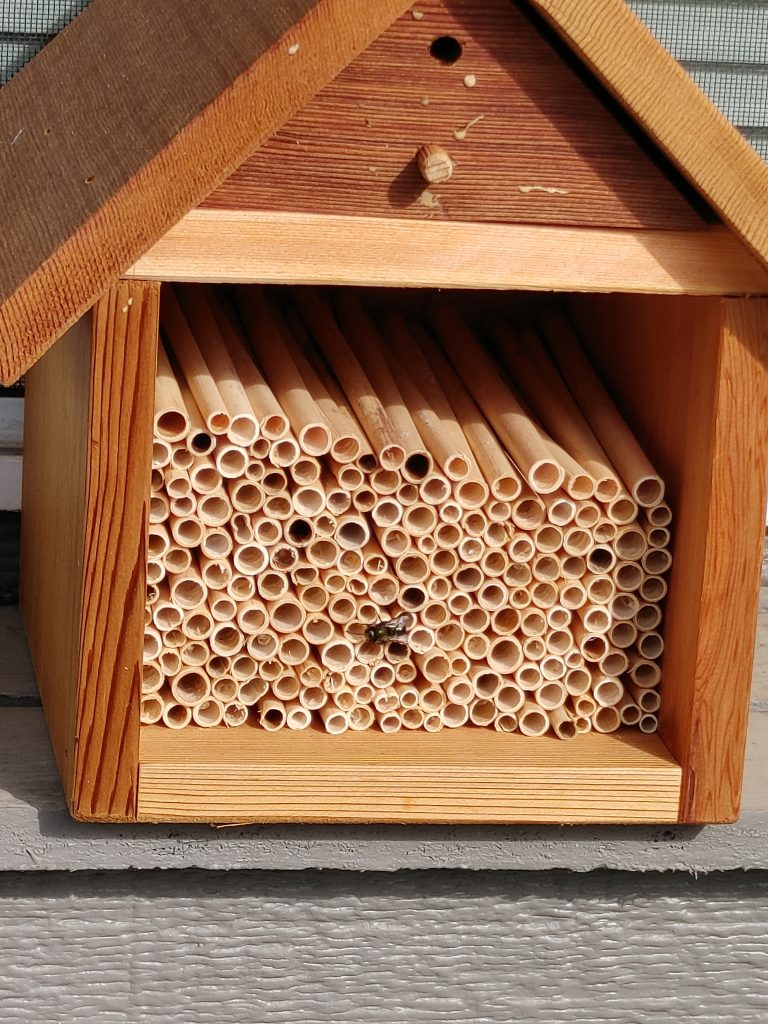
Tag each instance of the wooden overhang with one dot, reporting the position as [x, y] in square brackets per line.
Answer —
[135, 113]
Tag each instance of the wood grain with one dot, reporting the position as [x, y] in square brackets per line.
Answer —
[295, 248]
[467, 775]
[127, 120]
[56, 440]
[690, 375]
[541, 146]
[670, 108]
[125, 328]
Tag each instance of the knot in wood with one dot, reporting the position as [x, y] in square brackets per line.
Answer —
[435, 166]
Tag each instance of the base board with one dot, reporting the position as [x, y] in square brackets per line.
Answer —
[468, 776]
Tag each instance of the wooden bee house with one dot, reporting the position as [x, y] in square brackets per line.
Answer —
[516, 154]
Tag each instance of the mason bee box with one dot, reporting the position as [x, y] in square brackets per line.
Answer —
[464, 180]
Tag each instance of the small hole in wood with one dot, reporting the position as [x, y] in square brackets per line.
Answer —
[446, 49]
[90, 179]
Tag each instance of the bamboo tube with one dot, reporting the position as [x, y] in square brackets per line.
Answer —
[582, 724]
[505, 722]
[614, 662]
[546, 568]
[629, 711]
[151, 709]
[523, 438]
[470, 549]
[361, 717]
[622, 510]
[198, 625]
[622, 634]
[534, 648]
[601, 559]
[544, 594]
[434, 666]
[492, 596]
[176, 716]
[648, 723]
[658, 515]
[587, 514]
[251, 691]
[190, 687]
[453, 716]
[624, 452]
[436, 489]
[193, 654]
[270, 340]
[419, 520]
[208, 713]
[371, 351]
[550, 695]
[592, 646]
[226, 638]
[174, 638]
[627, 576]
[494, 463]
[552, 667]
[393, 539]
[573, 567]
[171, 421]
[572, 595]
[467, 579]
[647, 700]
[584, 705]
[656, 561]
[235, 714]
[389, 721]
[604, 532]
[607, 691]
[496, 535]
[216, 543]
[293, 650]
[653, 588]
[485, 682]
[262, 646]
[658, 536]
[643, 673]
[562, 724]
[606, 719]
[286, 686]
[521, 548]
[630, 543]
[271, 714]
[349, 441]
[528, 363]
[599, 588]
[577, 681]
[152, 677]
[561, 510]
[187, 589]
[363, 499]
[623, 607]
[509, 697]
[159, 509]
[650, 645]
[647, 617]
[383, 589]
[166, 615]
[334, 719]
[595, 618]
[474, 524]
[494, 564]
[532, 720]
[161, 453]
[360, 393]
[505, 655]
[193, 365]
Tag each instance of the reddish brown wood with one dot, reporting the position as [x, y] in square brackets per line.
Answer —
[125, 331]
[543, 150]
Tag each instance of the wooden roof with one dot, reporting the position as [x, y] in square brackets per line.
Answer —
[136, 112]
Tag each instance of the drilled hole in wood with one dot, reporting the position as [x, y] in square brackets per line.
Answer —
[446, 49]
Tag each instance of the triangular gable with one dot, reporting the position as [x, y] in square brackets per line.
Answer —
[136, 112]
[127, 120]
[530, 140]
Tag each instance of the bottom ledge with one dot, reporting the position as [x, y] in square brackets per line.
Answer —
[463, 776]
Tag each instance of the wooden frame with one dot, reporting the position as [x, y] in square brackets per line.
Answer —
[691, 374]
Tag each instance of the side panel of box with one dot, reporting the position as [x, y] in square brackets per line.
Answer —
[691, 378]
[55, 467]
[125, 331]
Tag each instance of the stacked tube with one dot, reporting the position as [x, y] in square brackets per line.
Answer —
[364, 520]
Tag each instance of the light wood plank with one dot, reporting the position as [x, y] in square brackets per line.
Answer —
[128, 119]
[690, 375]
[125, 332]
[53, 530]
[541, 147]
[286, 248]
[464, 776]
[671, 109]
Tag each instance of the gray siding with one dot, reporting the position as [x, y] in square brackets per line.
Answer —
[263, 948]
[724, 47]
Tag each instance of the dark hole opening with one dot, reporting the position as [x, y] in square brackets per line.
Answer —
[446, 49]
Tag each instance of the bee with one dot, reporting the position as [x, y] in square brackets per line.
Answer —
[388, 631]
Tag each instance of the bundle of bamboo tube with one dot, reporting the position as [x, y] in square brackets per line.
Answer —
[363, 521]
